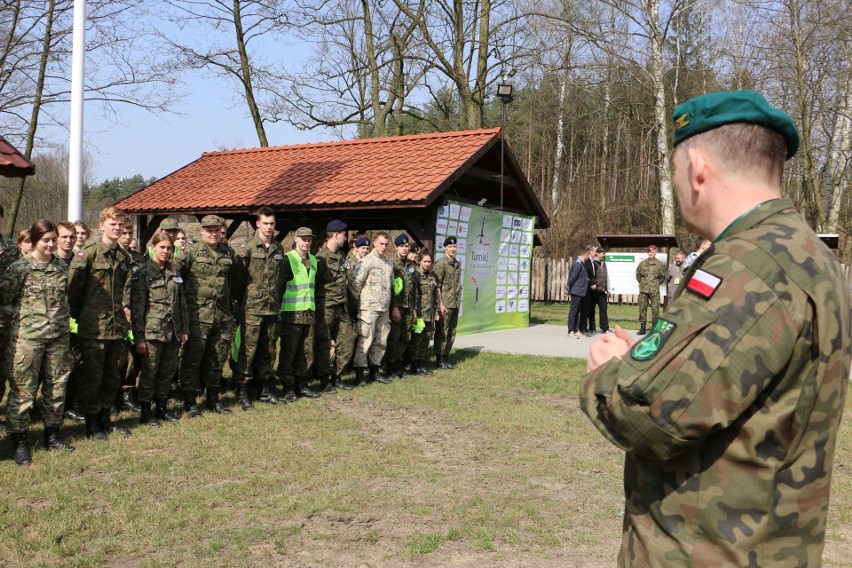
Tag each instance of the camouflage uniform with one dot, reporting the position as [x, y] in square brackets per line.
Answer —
[650, 275]
[131, 362]
[264, 273]
[406, 302]
[212, 277]
[372, 284]
[335, 332]
[448, 276]
[98, 291]
[39, 351]
[427, 306]
[297, 339]
[729, 409]
[159, 318]
[8, 254]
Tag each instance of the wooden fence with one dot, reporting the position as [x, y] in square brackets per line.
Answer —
[548, 279]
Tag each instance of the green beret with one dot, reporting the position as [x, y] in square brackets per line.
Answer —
[712, 110]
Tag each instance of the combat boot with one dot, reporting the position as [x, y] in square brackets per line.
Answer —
[421, 369]
[162, 411]
[146, 417]
[641, 330]
[376, 376]
[360, 376]
[213, 404]
[52, 441]
[338, 383]
[94, 428]
[267, 395]
[244, 397]
[445, 364]
[21, 447]
[108, 425]
[127, 402]
[190, 405]
[397, 370]
[327, 384]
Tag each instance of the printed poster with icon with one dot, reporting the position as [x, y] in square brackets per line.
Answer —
[495, 252]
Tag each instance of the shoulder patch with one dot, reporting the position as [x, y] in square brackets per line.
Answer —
[654, 341]
[703, 284]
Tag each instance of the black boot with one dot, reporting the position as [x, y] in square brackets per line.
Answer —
[111, 428]
[444, 363]
[338, 383]
[642, 330]
[21, 447]
[421, 368]
[190, 405]
[375, 375]
[360, 376]
[146, 417]
[52, 441]
[327, 384]
[94, 428]
[162, 411]
[267, 395]
[74, 415]
[397, 370]
[244, 396]
[127, 402]
[213, 404]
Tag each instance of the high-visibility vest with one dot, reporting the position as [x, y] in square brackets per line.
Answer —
[299, 295]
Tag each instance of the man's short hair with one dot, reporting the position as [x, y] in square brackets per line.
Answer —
[264, 212]
[745, 147]
[111, 213]
[384, 234]
[68, 226]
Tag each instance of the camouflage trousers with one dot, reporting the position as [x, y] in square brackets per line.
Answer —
[34, 361]
[399, 335]
[297, 354]
[418, 348]
[205, 353]
[5, 364]
[646, 298]
[100, 376]
[373, 331]
[445, 332]
[157, 370]
[257, 351]
[335, 341]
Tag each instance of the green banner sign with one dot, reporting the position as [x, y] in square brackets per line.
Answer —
[495, 251]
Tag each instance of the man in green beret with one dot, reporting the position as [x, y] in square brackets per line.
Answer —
[728, 409]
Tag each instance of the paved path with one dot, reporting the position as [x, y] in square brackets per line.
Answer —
[544, 340]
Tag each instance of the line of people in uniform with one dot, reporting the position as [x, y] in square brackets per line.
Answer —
[187, 308]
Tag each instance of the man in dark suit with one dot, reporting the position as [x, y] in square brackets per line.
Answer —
[577, 287]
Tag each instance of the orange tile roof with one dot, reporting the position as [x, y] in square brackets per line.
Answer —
[12, 162]
[401, 171]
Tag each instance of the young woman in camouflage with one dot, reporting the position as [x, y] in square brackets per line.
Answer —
[426, 304]
[160, 323]
[38, 350]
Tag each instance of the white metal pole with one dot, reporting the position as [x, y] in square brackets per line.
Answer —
[75, 150]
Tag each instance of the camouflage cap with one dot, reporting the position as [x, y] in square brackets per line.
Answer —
[712, 110]
[211, 221]
[304, 232]
[169, 224]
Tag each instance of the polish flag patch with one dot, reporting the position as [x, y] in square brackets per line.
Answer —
[703, 283]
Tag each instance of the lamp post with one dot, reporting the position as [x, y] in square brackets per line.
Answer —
[504, 93]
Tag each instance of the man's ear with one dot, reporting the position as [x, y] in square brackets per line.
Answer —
[699, 166]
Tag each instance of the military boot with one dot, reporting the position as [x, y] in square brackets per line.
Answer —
[445, 364]
[109, 426]
[421, 368]
[21, 447]
[327, 384]
[213, 404]
[162, 411]
[127, 402]
[398, 371]
[337, 382]
[360, 376]
[146, 416]
[641, 330]
[244, 396]
[267, 395]
[94, 428]
[52, 441]
[375, 375]
[190, 405]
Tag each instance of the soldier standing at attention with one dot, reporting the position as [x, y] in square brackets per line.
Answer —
[426, 304]
[160, 321]
[298, 316]
[650, 274]
[213, 283]
[96, 295]
[130, 364]
[335, 340]
[8, 255]
[406, 297]
[448, 276]
[373, 286]
[66, 242]
[263, 261]
[728, 411]
[39, 350]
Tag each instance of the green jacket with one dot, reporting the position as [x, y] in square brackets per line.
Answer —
[158, 304]
[332, 278]
[213, 281]
[98, 291]
[448, 276]
[650, 275]
[263, 274]
[9, 253]
[405, 269]
[37, 291]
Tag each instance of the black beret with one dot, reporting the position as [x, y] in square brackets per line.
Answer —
[335, 226]
[401, 239]
[450, 241]
[362, 242]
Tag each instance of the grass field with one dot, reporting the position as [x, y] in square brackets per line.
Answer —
[492, 464]
[627, 316]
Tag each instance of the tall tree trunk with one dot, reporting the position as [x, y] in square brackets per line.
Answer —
[840, 150]
[555, 190]
[246, 78]
[661, 119]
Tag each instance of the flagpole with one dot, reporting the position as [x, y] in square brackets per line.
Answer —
[75, 147]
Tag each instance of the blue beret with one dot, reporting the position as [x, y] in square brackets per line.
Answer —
[401, 239]
[712, 110]
[414, 247]
[362, 242]
[450, 241]
[335, 226]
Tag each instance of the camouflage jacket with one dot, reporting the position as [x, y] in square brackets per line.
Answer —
[332, 278]
[211, 277]
[448, 276]
[729, 409]
[405, 269]
[427, 298]
[373, 283]
[650, 275]
[158, 304]
[9, 253]
[37, 292]
[98, 291]
[264, 271]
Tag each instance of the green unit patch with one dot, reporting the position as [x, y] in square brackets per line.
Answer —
[654, 341]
